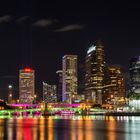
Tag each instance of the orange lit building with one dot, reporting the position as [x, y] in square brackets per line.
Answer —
[115, 85]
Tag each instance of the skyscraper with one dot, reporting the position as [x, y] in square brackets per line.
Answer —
[26, 85]
[94, 73]
[69, 77]
[134, 94]
[114, 83]
[135, 74]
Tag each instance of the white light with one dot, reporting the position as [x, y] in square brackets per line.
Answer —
[92, 48]
[10, 86]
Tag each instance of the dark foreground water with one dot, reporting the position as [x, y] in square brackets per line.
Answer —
[70, 128]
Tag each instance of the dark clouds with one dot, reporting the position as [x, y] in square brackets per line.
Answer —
[5, 18]
[44, 23]
[21, 20]
[67, 28]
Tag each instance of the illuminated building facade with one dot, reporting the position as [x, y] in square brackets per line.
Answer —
[134, 95]
[59, 86]
[49, 93]
[94, 73]
[26, 85]
[135, 74]
[114, 84]
[69, 77]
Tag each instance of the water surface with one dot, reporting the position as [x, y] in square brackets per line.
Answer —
[70, 128]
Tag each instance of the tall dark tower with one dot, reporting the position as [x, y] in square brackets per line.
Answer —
[135, 82]
[59, 86]
[94, 73]
[135, 74]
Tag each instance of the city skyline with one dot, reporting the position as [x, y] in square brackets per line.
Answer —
[40, 38]
[69, 70]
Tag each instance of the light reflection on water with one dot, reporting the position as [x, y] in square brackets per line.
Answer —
[70, 128]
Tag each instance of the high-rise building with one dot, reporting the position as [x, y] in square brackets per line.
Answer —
[135, 74]
[69, 77]
[94, 73]
[134, 93]
[26, 85]
[49, 93]
[59, 86]
[114, 84]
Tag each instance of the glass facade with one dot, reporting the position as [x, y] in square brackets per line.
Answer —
[135, 74]
[94, 73]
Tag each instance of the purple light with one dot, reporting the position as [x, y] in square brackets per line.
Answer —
[52, 104]
[24, 105]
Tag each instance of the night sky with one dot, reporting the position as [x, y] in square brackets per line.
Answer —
[38, 34]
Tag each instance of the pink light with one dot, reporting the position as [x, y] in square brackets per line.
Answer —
[52, 104]
[24, 105]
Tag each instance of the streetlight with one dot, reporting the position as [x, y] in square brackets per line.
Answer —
[73, 98]
[10, 87]
[35, 96]
[10, 93]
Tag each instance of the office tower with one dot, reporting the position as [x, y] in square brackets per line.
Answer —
[135, 74]
[26, 85]
[49, 93]
[134, 93]
[94, 73]
[59, 86]
[114, 84]
[69, 77]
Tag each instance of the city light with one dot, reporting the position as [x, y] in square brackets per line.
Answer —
[92, 48]
[10, 86]
[10, 95]
[58, 82]
[27, 70]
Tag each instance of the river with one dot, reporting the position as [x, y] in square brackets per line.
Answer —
[70, 127]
